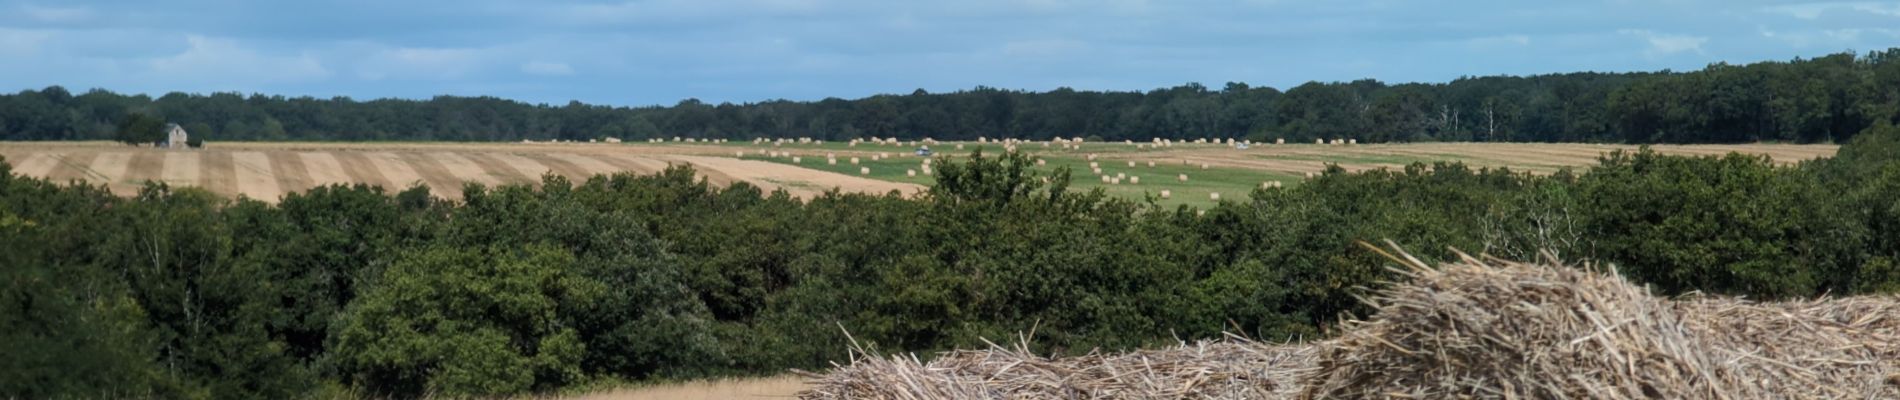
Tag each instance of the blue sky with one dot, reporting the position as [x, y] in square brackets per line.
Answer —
[657, 52]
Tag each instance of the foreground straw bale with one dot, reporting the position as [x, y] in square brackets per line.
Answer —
[1235, 369]
[1498, 329]
[1468, 329]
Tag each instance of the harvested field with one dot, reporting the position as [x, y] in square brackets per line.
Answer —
[266, 171]
[1233, 171]
[1467, 329]
[445, 166]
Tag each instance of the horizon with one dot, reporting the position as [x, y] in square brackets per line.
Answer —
[660, 52]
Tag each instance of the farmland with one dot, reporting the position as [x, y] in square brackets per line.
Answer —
[672, 278]
[266, 170]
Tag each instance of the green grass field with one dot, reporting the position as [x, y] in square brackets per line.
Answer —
[1232, 183]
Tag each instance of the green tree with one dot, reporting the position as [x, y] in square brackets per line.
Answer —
[139, 128]
[467, 322]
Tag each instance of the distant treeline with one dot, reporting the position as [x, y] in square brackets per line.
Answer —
[346, 291]
[1818, 100]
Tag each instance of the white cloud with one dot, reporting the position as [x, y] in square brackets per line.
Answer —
[56, 14]
[227, 62]
[547, 68]
[677, 10]
[1815, 10]
[1666, 44]
[421, 63]
[21, 42]
[1042, 47]
[1500, 41]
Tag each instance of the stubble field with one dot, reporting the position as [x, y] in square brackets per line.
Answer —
[265, 171]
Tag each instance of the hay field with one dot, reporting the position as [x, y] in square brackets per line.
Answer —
[1213, 168]
[266, 171]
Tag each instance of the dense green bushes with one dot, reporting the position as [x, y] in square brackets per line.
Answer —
[176, 293]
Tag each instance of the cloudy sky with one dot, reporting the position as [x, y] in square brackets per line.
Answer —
[643, 52]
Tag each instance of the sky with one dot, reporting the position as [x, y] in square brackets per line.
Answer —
[641, 52]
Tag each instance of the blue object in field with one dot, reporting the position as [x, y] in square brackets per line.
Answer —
[923, 151]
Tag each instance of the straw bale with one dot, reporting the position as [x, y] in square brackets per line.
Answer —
[1469, 328]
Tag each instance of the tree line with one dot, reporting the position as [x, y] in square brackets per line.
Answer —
[1826, 99]
[354, 291]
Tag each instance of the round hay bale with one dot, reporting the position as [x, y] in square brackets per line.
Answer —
[1134, 180]
[1166, 194]
[831, 161]
[910, 172]
[798, 160]
[1151, 164]
[854, 161]
[864, 170]
[1092, 164]
[1203, 165]
[1215, 196]
[1183, 177]
[1041, 162]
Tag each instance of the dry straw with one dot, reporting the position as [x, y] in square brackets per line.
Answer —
[1472, 328]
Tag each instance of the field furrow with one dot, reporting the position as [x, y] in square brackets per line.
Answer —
[593, 166]
[463, 169]
[526, 168]
[180, 168]
[255, 176]
[561, 166]
[37, 165]
[361, 169]
[394, 170]
[323, 169]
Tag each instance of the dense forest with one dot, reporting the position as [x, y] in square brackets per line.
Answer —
[358, 291]
[1826, 99]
